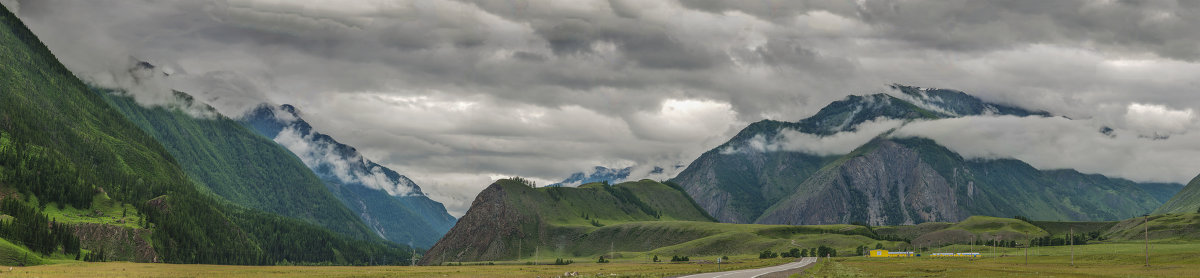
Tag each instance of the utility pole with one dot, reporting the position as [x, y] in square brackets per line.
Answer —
[1071, 238]
[1027, 243]
[994, 242]
[610, 250]
[519, 249]
[1146, 225]
[413, 256]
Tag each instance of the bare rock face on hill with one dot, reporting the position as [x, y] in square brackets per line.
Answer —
[481, 232]
[513, 220]
[889, 184]
[119, 243]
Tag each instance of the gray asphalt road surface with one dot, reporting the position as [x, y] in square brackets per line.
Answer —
[753, 273]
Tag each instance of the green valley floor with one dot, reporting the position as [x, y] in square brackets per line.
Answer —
[1124, 259]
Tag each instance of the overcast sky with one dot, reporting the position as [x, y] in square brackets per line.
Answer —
[457, 93]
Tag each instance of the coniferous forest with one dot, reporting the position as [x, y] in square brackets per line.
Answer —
[61, 145]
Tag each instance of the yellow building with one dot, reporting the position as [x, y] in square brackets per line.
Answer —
[880, 253]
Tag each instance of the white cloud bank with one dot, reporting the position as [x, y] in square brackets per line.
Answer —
[836, 144]
[1060, 143]
[347, 170]
[1152, 119]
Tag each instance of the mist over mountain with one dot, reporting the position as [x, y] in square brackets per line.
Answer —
[846, 158]
[390, 203]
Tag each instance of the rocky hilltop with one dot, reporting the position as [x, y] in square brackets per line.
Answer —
[511, 220]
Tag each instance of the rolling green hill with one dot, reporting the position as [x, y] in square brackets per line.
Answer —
[239, 165]
[63, 144]
[1177, 227]
[1186, 201]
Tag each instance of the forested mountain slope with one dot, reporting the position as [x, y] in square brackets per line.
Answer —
[391, 204]
[239, 165]
[61, 145]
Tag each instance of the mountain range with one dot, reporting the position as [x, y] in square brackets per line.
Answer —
[890, 181]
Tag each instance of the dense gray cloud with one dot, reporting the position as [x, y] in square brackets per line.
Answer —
[455, 93]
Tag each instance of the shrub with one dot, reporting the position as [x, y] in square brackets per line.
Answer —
[767, 254]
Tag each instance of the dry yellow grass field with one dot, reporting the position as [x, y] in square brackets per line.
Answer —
[616, 269]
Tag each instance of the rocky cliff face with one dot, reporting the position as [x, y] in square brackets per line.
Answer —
[911, 181]
[119, 243]
[889, 184]
[482, 232]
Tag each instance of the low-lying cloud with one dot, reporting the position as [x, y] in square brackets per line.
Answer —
[840, 143]
[1061, 143]
[348, 170]
[1158, 120]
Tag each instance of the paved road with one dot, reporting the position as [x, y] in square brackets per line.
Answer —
[753, 273]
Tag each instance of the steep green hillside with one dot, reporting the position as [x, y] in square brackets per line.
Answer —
[510, 216]
[1176, 227]
[239, 165]
[62, 144]
[1186, 201]
[392, 205]
[12, 254]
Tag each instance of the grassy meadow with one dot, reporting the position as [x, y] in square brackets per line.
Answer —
[1125, 259]
[618, 268]
[1119, 256]
[1167, 259]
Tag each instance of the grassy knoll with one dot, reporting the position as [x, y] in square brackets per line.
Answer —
[978, 228]
[12, 254]
[104, 210]
[1183, 227]
[618, 268]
